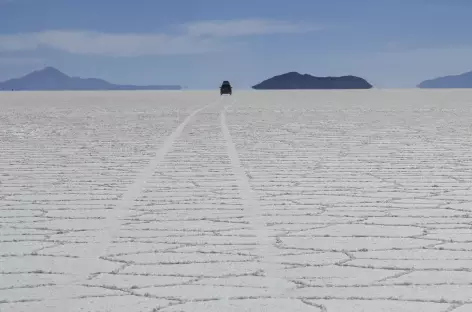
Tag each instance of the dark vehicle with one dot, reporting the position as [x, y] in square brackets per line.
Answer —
[226, 88]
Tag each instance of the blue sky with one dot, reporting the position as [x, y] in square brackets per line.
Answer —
[391, 43]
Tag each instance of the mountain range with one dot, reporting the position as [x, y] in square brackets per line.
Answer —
[52, 79]
[295, 80]
[453, 81]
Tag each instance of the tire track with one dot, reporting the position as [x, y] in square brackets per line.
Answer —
[251, 204]
[111, 225]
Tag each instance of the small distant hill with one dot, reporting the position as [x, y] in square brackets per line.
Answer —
[52, 79]
[295, 80]
[454, 81]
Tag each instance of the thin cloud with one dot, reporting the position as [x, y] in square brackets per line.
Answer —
[96, 43]
[19, 61]
[195, 38]
[247, 27]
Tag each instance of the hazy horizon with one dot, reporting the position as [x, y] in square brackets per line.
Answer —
[208, 88]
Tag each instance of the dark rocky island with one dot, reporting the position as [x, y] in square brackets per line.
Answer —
[51, 79]
[454, 81]
[294, 80]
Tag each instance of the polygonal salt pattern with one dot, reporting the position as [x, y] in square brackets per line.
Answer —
[262, 201]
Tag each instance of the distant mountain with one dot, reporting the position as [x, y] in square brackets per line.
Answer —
[453, 81]
[52, 79]
[294, 80]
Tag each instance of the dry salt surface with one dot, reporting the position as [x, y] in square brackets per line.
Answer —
[320, 201]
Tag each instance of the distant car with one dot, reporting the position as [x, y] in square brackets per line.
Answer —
[226, 88]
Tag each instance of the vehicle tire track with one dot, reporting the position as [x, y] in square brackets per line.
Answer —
[112, 224]
[113, 221]
[251, 204]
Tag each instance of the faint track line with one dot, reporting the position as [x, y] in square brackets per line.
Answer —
[133, 191]
[111, 225]
[249, 201]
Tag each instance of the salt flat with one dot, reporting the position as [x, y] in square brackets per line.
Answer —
[323, 201]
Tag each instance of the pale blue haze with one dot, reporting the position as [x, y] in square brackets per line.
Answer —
[391, 43]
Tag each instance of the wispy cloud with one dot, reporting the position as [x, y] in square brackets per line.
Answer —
[246, 27]
[194, 38]
[19, 61]
[96, 43]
